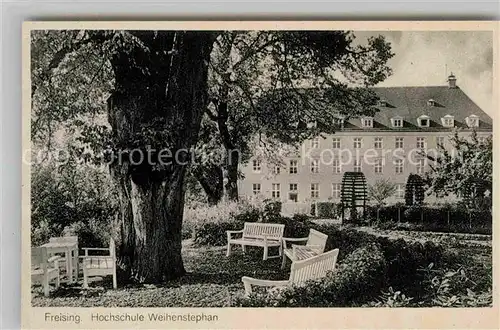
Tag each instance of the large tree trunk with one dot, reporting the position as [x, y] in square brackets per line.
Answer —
[159, 98]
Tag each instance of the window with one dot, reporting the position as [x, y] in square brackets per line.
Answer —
[336, 143]
[378, 143]
[420, 142]
[397, 122]
[256, 188]
[472, 121]
[367, 122]
[357, 143]
[399, 143]
[314, 166]
[423, 121]
[398, 166]
[431, 103]
[312, 124]
[314, 190]
[336, 188]
[337, 167]
[400, 191]
[357, 165]
[277, 170]
[420, 166]
[378, 166]
[293, 194]
[256, 166]
[293, 166]
[439, 140]
[315, 143]
[448, 121]
[275, 191]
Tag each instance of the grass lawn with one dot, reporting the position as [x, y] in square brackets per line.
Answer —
[211, 280]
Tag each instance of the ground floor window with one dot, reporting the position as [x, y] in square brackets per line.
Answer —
[293, 194]
[336, 187]
[275, 192]
[256, 188]
[400, 191]
[314, 190]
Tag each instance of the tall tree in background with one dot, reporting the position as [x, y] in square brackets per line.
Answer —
[272, 84]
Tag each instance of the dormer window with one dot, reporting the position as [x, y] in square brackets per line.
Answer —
[397, 121]
[338, 121]
[431, 103]
[382, 103]
[367, 122]
[472, 121]
[423, 121]
[448, 121]
[312, 124]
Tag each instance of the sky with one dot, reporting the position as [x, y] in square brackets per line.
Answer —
[427, 58]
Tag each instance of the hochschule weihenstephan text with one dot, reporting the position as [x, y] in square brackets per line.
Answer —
[153, 317]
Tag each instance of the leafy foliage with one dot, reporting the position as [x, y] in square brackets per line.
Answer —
[381, 190]
[466, 170]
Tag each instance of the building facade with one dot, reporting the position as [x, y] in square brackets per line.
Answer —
[389, 145]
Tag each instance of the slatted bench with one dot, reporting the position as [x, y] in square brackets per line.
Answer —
[257, 234]
[302, 271]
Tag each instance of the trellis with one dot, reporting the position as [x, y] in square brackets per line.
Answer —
[414, 190]
[353, 194]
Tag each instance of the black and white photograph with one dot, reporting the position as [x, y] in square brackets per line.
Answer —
[260, 168]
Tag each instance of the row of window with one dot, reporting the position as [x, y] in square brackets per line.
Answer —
[378, 142]
[293, 190]
[378, 165]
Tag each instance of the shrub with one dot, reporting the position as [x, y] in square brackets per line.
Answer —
[197, 215]
[271, 211]
[214, 233]
[326, 210]
[90, 234]
[358, 279]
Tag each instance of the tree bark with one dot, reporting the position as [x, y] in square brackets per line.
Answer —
[210, 179]
[158, 102]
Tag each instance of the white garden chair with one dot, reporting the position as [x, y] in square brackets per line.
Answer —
[99, 265]
[44, 269]
[315, 244]
[301, 271]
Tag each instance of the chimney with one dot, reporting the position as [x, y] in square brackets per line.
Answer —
[452, 81]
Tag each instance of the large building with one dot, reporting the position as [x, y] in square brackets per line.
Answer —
[388, 145]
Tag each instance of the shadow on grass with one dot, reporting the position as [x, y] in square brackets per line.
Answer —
[208, 270]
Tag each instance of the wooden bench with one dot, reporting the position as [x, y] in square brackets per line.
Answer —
[301, 272]
[257, 234]
[99, 265]
[315, 244]
[44, 269]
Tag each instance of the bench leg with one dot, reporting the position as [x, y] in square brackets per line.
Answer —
[243, 248]
[85, 279]
[283, 263]
[228, 250]
[266, 253]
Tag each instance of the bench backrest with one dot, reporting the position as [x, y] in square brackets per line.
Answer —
[259, 230]
[317, 238]
[39, 258]
[313, 268]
